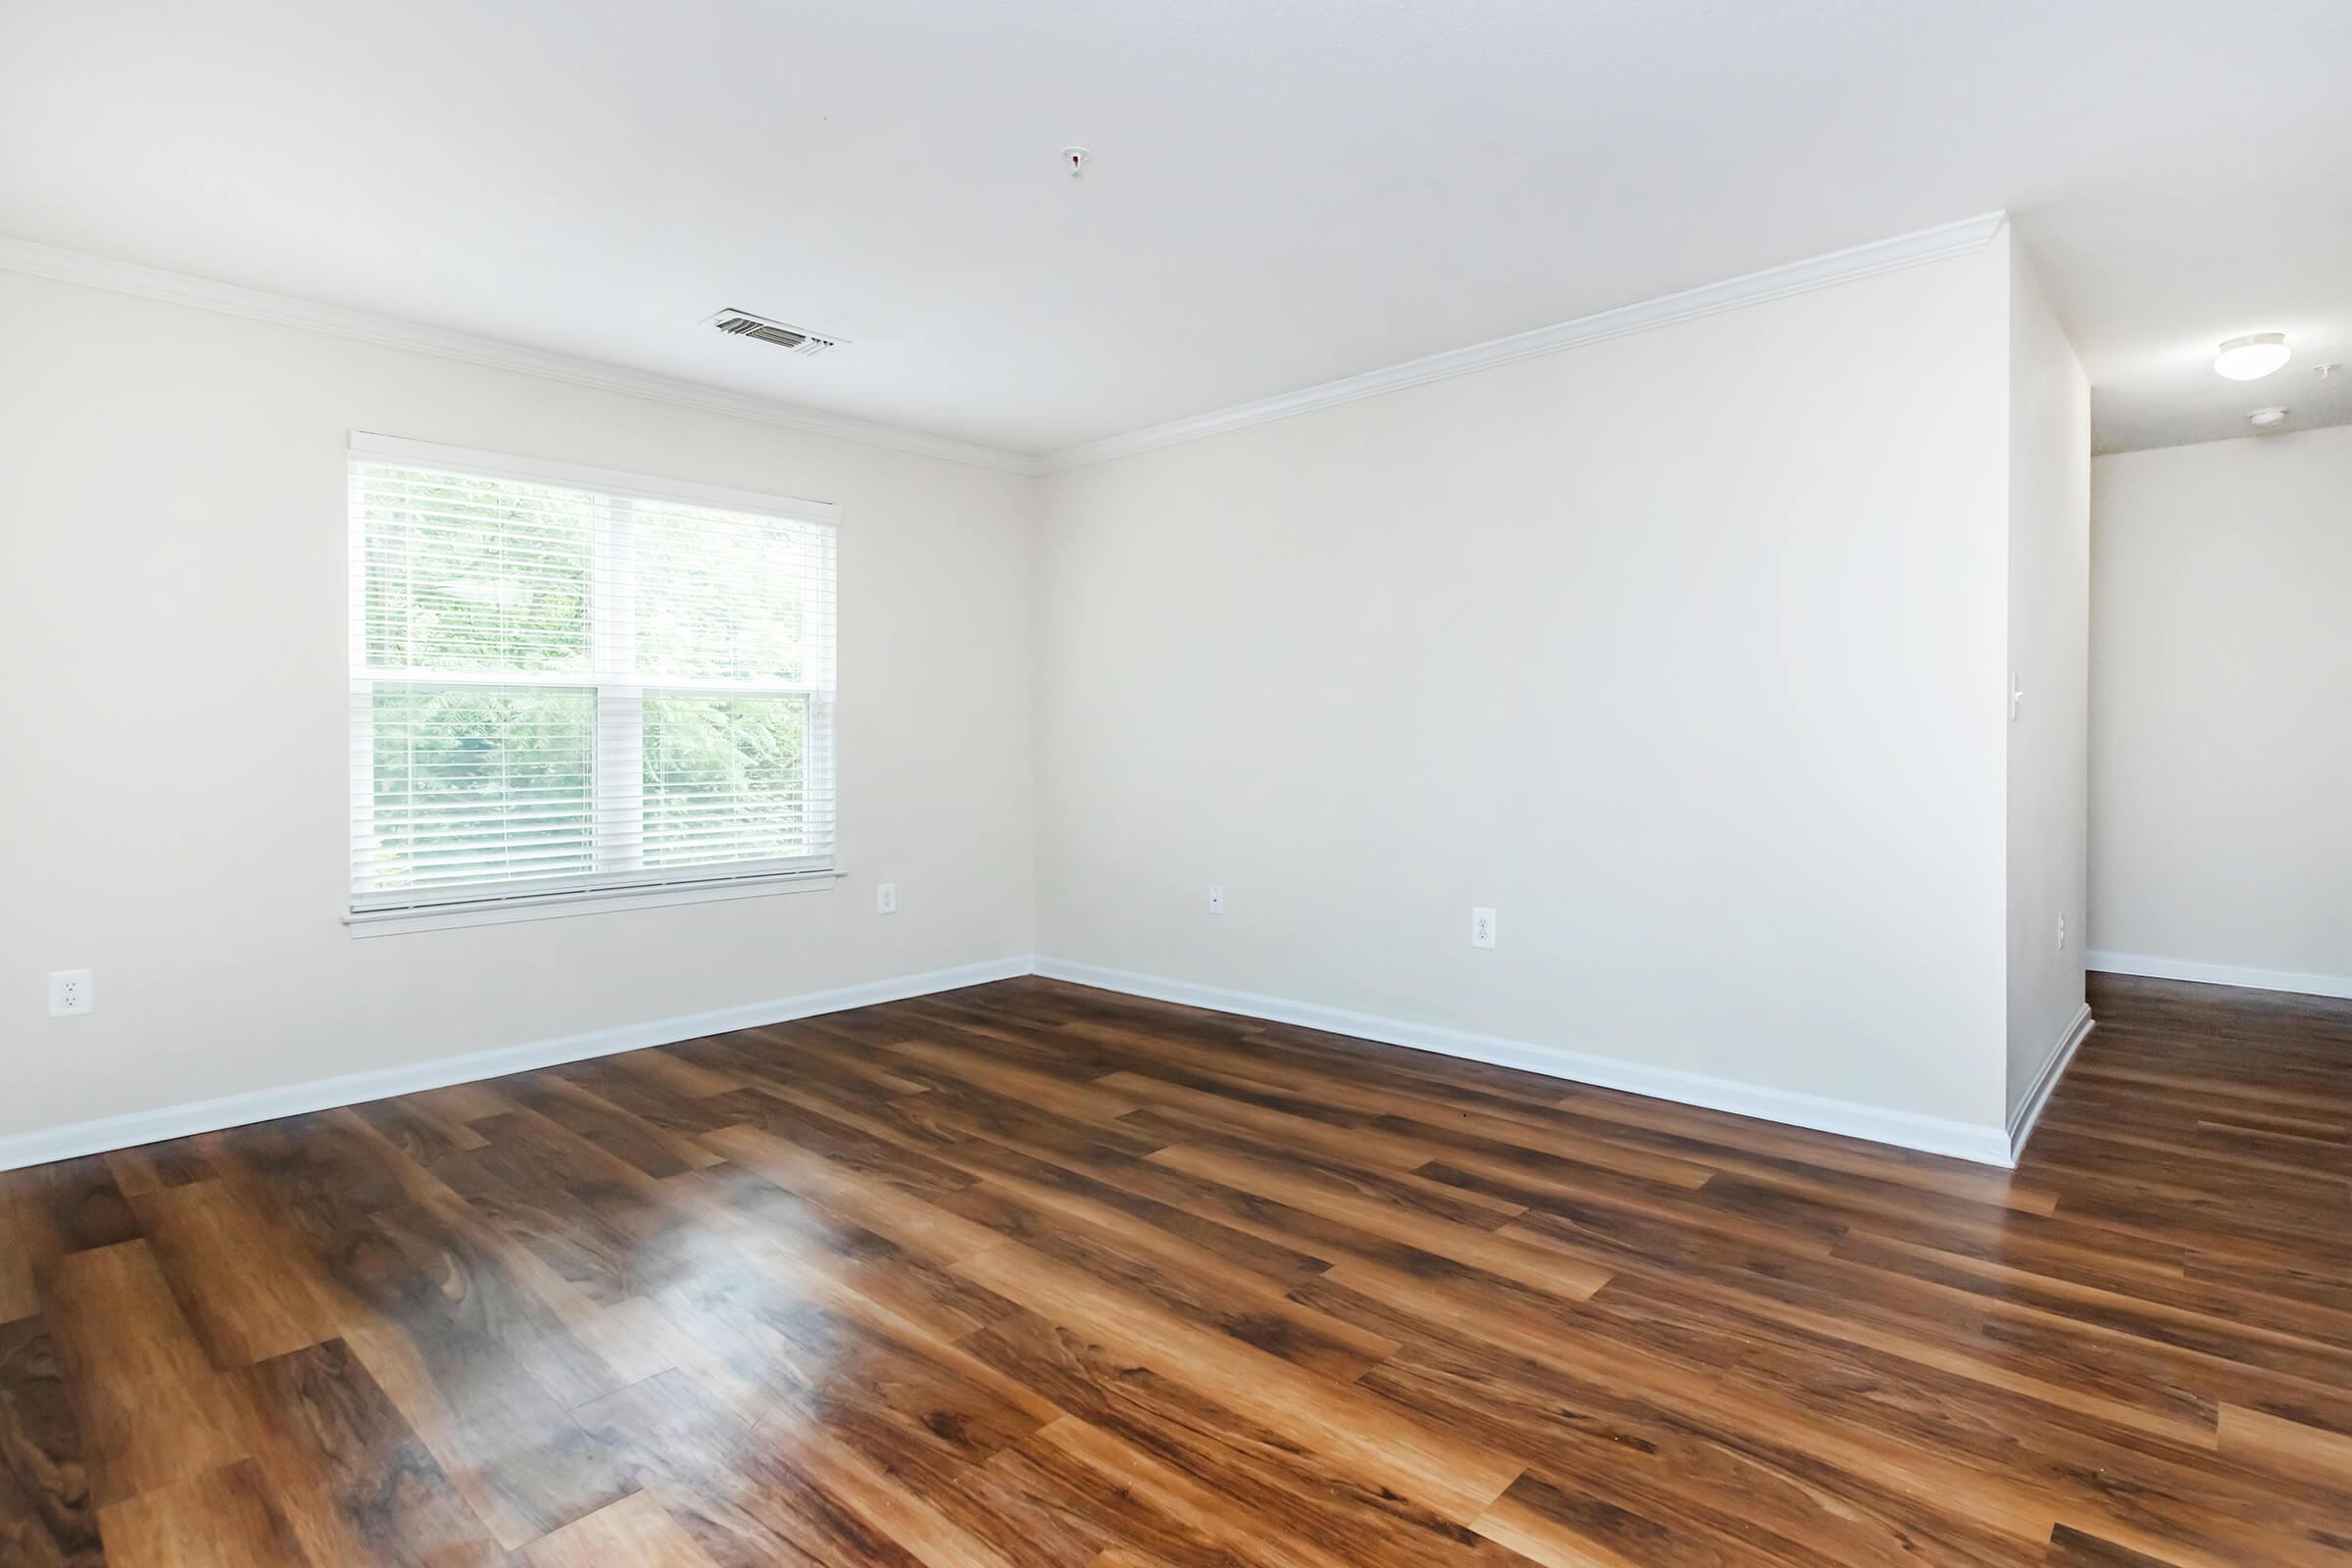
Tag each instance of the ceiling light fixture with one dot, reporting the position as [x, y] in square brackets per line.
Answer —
[2267, 418]
[2252, 357]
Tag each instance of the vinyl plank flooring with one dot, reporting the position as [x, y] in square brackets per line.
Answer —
[637, 1530]
[151, 1406]
[1059, 1187]
[47, 1211]
[1040, 1506]
[356, 1486]
[505, 1441]
[482, 1276]
[414, 1288]
[1032, 1276]
[250, 1291]
[803, 1248]
[2275, 1443]
[1360, 1436]
[591, 1217]
[80, 1202]
[419, 1128]
[154, 1167]
[1193, 1282]
[224, 1518]
[48, 1518]
[646, 1146]
[1259, 1471]
[1579, 1405]
[744, 1502]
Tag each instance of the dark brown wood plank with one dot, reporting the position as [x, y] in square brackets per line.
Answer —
[48, 1518]
[356, 1486]
[419, 1292]
[47, 1211]
[153, 1167]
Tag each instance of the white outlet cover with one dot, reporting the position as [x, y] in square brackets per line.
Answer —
[71, 993]
[1216, 898]
[886, 897]
[1482, 928]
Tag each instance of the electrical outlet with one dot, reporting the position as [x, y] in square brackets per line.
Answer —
[71, 992]
[2062, 933]
[886, 897]
[1216, 898]
[1482, 928]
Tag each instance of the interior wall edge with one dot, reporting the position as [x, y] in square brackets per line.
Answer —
[2027, 1113]
[2221, 974]
[1932, 1135]
[131, 1130]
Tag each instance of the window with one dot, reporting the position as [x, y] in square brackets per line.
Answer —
[566, 683]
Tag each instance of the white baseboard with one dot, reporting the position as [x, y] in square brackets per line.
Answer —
[2022, 1120]
[353, 1089]
[1984, 1144]
[2220, 974]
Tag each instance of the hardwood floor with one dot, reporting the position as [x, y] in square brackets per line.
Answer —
[1032, 1275]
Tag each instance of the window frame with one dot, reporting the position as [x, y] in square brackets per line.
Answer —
[618, 698]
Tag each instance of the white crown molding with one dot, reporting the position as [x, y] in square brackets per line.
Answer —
[1797, 278]
[2220, 974]
[1983, 1145]
[356, 1089]
[2027, 1115]
[178, 288]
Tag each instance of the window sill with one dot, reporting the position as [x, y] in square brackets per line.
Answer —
[563, 906]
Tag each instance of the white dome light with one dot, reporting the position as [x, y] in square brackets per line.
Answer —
[2251, 357]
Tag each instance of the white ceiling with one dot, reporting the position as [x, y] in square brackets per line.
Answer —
[1283, 193]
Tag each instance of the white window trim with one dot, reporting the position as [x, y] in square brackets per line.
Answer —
[654, 894]
[598, 900]
[636, 486]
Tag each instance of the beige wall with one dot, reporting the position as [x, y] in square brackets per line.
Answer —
[172, 795]
[1683, 651]
[2049, 657]
[1688, 652]
[2222, 712]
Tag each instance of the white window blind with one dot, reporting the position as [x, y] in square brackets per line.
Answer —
[565, 682]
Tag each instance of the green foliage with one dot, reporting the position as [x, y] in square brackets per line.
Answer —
[475, 574]
[464, 771]
[723, 779]
[719, 597]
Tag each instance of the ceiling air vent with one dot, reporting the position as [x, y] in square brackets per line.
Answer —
[802, 341]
